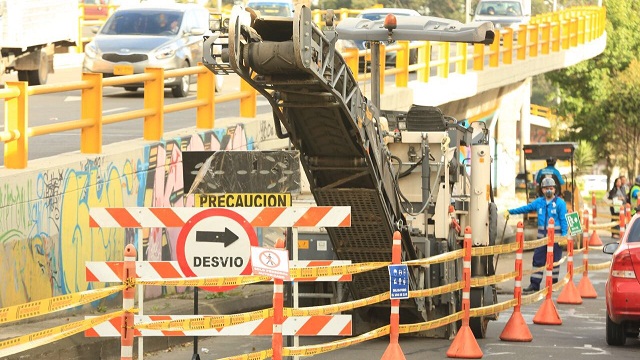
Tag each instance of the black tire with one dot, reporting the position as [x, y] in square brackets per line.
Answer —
[478, 325]
[182, 90]
[131, 88]
[41, 74]
[413, 56]
[616, 335]
[23, 75]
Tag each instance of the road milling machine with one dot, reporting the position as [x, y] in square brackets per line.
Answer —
[420, 172]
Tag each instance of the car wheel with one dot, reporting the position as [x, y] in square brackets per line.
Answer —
[182, 90]
[616, 335]
[131, 88]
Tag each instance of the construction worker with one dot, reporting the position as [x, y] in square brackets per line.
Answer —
[634, 192]
[548, 206]
[550, 171]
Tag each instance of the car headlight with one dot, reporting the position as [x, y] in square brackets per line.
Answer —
[90, 50]
[165, 52]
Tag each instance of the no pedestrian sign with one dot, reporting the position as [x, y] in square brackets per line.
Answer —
[270, 262]
[214, 243]
[573, 222]
[399, 281]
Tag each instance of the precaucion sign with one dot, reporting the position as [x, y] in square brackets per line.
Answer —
[216, 242]
[270, 262]
[573, 222]
[399, 281]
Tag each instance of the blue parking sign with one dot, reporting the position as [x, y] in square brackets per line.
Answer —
[399, 281]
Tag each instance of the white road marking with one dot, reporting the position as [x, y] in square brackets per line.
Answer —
[114, 110]
[72, 98]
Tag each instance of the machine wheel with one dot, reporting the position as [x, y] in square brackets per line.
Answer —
[131, 88]
[182, 90]
[23, 75]
[616, 335]
[41, 74]
[478, 325]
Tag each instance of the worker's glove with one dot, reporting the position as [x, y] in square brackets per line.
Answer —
[506, 214]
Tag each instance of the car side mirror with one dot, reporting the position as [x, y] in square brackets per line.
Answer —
[610, 248]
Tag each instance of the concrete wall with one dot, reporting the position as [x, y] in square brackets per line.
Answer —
[45, 237]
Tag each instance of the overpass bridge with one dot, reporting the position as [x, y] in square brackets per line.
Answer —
[44, 203]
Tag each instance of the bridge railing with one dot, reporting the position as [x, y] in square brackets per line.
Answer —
[435, 59]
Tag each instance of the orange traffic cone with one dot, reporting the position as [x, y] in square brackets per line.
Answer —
[393, 352]
[465, 345]
[516, 329]
[594, 239]
[586, 289]
[570, 294]
[547, 314]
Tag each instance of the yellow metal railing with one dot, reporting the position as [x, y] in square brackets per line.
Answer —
[546, 34]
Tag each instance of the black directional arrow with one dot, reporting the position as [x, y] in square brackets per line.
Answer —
[227, 237]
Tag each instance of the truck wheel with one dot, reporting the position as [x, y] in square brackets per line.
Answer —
[478, 325]
[40, 75]
[23, 75]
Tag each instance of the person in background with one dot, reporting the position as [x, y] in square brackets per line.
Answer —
[550, 171]
[548, 206]
[634, 192]
[624, 185]
[490, 11]
[618, 198]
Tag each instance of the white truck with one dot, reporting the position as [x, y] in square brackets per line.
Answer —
[504, 13]
[29, 32]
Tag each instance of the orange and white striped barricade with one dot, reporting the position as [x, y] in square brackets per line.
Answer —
[465, 345]
[547, 313]
[586, 289]
[627, 212]
[321, 216]
[516, 328]
[570, 293]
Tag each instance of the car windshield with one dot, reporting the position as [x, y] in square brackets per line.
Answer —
[499, 8]
[143, 23]
[271, 9]
[379, 16]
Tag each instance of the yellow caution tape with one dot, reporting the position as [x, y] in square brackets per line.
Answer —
[494, 250]
[603, 226]
[535, 297]
[443, 289]
[207, 321]
[33, 340]
[560, 284]
[432, 324]
[315, 271]
[492, 309]
[448, 256]
[601, 266]
[578, 269]
[259, 355]
[207, 281]
[561, 261]
[494, 279]
[535, 243]
[334, 308]
[311, 350]
[46, 306]
[534, 270]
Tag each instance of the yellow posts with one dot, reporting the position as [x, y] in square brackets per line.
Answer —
[352, 59]
[565, 34]
[424, 58]
[494, 56]
[445, 49]
[521, 53]
[581, 29]
[79, 43]
[546, 38]
[154, 100]
[402, 63]
[478, 56]
[507, 46]
[248, 102]
[574, 32]
[533, 41]
[205, 114]
[16, 115]
[555, 36]
[91, 109]
[461, 63]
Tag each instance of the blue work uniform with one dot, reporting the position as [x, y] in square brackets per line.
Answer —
[549, 170]
[555, 208]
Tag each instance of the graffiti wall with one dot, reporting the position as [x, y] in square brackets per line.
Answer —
[45, 237]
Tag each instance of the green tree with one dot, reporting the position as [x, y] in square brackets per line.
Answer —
[586, 89]
[584, 157]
